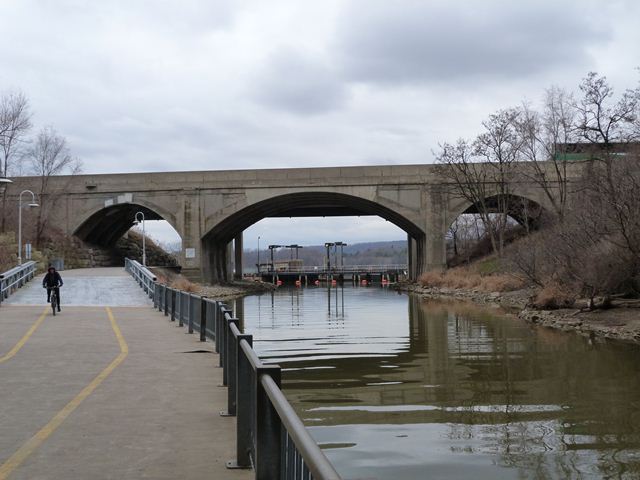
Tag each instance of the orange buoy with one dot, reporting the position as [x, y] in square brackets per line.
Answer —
[279, 282]
[298, 283]
[364, 282]
[317, 282]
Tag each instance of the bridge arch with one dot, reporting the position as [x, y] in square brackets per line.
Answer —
[465, 234]
[522, 208]
[104, 225]
[298, 204]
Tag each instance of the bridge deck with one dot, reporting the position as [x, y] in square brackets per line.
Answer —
[108, 392]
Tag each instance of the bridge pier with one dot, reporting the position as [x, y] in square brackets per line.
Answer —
[237, 248]
[216, 261]
[434, 246]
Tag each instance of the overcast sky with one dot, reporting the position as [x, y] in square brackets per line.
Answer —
[212, 84]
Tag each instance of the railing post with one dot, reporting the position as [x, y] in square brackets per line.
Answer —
[181, 309]
[203, 319]
[216, 319]
[231, 366]
[224, 311]
[173, 305]
[191, 312]
[166, 301]
[154, 297]
[244, 405]
[268, 428]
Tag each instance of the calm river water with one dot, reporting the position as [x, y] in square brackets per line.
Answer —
[397, 388]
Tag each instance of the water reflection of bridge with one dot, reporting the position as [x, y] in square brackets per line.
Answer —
[538, 400]
[462, 360]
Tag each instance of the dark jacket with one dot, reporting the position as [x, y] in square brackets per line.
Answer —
[52, 279]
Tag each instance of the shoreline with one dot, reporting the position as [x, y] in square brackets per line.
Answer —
[619, 323]
[233, 290]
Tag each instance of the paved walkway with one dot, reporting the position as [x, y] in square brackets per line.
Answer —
[108, 393]
[87, 287]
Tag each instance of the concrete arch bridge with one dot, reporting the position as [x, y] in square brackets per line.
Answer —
[211, 209]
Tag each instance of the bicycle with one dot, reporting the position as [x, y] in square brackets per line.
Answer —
[53, 299]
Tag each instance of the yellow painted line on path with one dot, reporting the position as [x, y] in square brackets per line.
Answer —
[34, 442]
[26, 337]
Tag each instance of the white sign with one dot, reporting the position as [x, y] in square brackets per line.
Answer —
[189, 253]
[125, 198]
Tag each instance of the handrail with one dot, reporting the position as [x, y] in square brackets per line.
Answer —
[143, 276]
[306, 445]
[270, 437]
[15, 278]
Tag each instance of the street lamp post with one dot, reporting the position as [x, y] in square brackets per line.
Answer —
[33, 204]
[328, 245]
[273, 270]
[258, 254]
[341, 245]
[144, 246]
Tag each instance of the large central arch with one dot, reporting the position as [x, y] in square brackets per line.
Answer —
[299, 204]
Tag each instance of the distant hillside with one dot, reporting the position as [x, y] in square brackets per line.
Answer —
[369, 253]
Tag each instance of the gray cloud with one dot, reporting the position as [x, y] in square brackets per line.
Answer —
[440, 41]
[299, 82]
[139, 86]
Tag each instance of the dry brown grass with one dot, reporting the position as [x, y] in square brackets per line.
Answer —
[161, 278]
[466, 279]
[8, 247]
[501, 283]
[184, 285]
[552, 297]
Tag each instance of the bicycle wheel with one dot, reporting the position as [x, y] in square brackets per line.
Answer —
[54, 303]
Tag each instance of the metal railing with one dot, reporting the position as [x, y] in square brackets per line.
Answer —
[312, 269]
[142, 275]
[270, 437]
[15, 278]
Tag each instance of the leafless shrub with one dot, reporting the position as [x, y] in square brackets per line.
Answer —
[552, 297]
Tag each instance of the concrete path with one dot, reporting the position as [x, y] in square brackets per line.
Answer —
[109, 393]
[86, 287]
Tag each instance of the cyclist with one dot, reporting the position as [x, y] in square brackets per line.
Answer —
[52, 281]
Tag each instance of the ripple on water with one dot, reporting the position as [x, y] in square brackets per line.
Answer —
[396, 388]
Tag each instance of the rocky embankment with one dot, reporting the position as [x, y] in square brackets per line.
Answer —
[621, 322]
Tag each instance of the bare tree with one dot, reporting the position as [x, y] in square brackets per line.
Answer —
[547, 140]
[50, 155]
[482, 171]
[612, 128]
[595, 251]
[15, 123]
[602, 121]
[466, 235]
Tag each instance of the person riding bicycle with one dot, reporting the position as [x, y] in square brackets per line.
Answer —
[52, 281]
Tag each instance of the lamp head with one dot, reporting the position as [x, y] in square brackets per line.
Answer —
[33, 205]
[4, 182]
